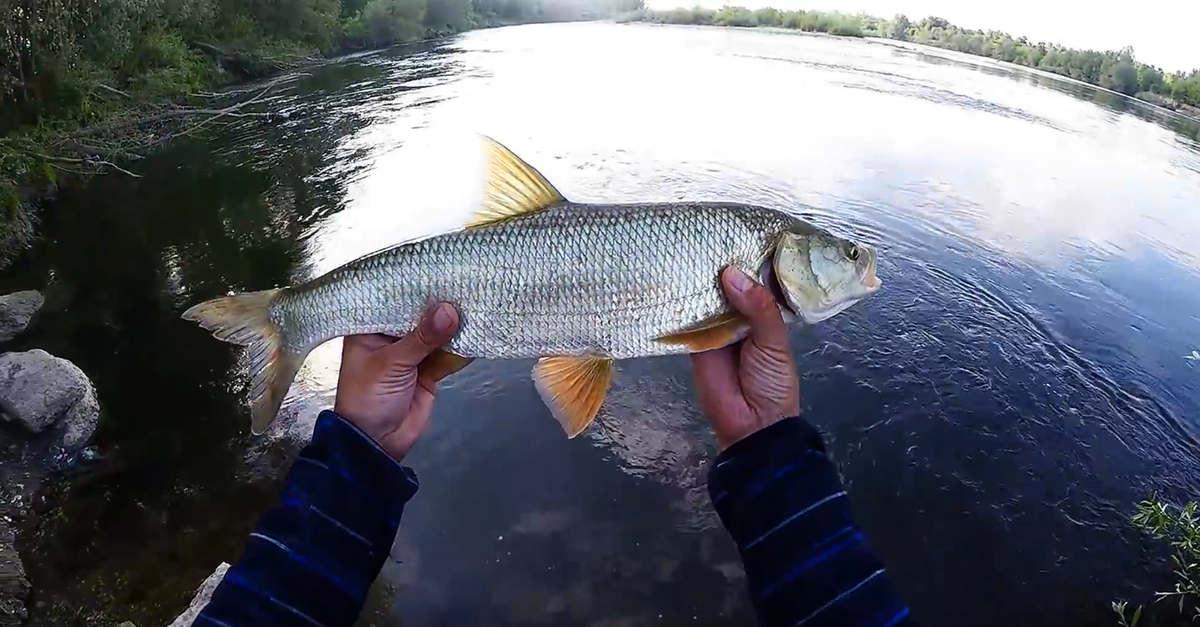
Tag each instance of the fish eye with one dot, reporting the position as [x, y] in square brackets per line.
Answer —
[852, 254]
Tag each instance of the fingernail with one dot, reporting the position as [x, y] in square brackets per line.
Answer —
[443, 318]
[739, 281]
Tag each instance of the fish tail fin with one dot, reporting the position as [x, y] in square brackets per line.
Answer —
[245, 319]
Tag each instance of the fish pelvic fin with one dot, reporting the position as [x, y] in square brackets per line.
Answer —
[716, 332]
[513, 187]
[245, 319]
[573, 388]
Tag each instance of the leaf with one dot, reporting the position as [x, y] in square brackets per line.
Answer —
[1137, 615]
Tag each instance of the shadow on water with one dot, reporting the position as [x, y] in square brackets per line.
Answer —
[995, 410]
[122, 257]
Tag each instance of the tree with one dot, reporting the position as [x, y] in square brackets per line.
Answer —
[1150, 79]
[900, 28]
[447, 15]
[394, 20]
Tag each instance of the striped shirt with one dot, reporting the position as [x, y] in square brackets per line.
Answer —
[807, 563]
[312, 558]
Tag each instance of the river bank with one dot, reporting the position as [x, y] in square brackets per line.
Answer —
[94, 88]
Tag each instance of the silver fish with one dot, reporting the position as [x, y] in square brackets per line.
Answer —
[536, 275]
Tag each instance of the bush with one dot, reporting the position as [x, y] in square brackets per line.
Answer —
[164, 66]
[389, 21]
[1179, 527]
[735, 16]
[768, 17]
[846, 28]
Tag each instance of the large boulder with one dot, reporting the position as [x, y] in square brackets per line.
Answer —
[40, 391]
[202, 597]
[16, 310]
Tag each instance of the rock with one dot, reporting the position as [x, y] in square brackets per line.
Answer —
[39, 391]
[202, 596]
[14, 588]
[16, 310]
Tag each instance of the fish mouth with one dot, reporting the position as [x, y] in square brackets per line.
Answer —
[870, 280]
[767, 277]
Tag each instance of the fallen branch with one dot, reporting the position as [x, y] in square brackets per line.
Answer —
[113, 90]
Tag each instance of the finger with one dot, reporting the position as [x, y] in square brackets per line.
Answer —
[716, 374]
[436, 328]
[756, 302]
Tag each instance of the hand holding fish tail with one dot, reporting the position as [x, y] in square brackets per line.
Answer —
[386, 386]
[751, 385]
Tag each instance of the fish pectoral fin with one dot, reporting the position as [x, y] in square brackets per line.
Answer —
[716, 332]
[441, 363]
[512, 188]
[573, 388]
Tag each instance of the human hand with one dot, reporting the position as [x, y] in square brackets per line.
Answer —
[386, 385]
[753, 384]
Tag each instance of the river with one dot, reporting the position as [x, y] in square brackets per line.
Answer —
[996, 410]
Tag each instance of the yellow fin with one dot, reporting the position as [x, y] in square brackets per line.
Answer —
[441, 364]
[246, 319]
[573, 388]
[512, 188]
[716, 332]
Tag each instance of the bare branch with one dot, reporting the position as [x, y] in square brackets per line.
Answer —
[113, 90]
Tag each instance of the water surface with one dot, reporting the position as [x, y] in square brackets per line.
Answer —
[996, 410]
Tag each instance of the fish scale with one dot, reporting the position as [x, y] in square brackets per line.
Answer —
[574, 279]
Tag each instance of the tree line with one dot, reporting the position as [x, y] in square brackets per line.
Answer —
[1117, 70]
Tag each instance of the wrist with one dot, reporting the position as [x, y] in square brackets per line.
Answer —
[370, 429]
[729, 435]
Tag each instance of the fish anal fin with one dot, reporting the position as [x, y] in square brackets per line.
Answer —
[512, 188]
[573, 388]
[716, 332]
[441, 364]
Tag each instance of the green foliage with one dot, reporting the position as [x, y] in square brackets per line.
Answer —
[1180, 528]
[1125, 618]
[387, 21]
[808, 21]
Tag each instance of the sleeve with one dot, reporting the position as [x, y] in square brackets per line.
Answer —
[806, 561]
[313, 557]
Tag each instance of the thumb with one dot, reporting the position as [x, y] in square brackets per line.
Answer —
[758, 305]
[436, 328]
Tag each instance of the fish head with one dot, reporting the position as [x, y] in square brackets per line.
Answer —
[818, 275]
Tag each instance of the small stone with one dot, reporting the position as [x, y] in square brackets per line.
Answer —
[16, 310]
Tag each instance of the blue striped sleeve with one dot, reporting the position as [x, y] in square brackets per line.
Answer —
[313, 557]
[807, 563]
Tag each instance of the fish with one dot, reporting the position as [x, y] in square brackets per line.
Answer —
[577, 286]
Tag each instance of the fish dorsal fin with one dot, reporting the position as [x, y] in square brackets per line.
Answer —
[512, 188]
[573, 388]
[716, 332]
